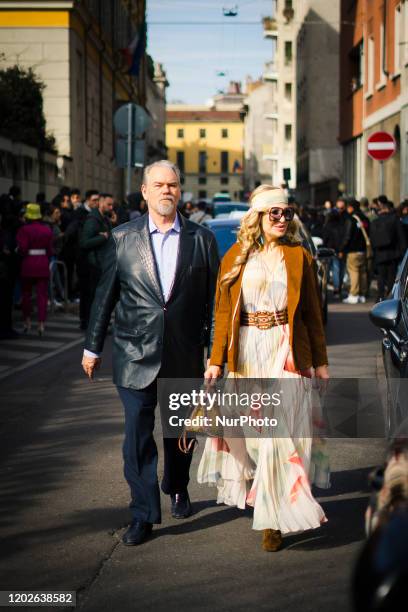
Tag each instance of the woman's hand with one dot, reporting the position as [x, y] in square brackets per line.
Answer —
[322, 372]
[212, 372]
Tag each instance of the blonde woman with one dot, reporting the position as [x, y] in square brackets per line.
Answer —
[268, 272]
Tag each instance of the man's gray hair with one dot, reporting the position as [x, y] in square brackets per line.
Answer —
[163, 163]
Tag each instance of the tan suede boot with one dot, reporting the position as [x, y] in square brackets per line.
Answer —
[271, 540]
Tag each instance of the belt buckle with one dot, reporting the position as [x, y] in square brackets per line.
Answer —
[263, 320]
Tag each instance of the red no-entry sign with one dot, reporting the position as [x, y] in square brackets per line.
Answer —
[381, 146]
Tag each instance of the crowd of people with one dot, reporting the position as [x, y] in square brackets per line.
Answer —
[34, 236]
[369, 239]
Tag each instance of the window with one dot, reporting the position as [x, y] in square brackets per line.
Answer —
[180, 160]
[202, 133]
[224, 180]
[288, 132]
[288, 92]
[224, 162]
[288, 52]
[356, 57]
[397, 40]
[370, 65]
[202, 162]
[224, 133]
[202, 194]
[202, 180]
[180, 133]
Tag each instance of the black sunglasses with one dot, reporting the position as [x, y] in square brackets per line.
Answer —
[276, 214]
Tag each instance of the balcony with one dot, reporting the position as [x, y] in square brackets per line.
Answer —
[270, 27]
[270, 72]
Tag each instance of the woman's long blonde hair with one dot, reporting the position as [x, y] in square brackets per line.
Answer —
[250, 236]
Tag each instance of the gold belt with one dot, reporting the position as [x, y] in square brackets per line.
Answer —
[263, 319]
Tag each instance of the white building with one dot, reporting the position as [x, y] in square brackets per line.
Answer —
[282, 29]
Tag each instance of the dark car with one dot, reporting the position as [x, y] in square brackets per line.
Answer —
[225, 208]
[226, 230]
[391, 316]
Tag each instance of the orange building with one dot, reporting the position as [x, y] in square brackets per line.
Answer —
[374, 93]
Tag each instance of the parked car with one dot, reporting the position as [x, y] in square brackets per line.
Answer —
[391, 316]
[222, 196]
[224, 208]
[226, 229]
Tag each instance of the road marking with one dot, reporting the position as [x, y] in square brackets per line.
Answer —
[69, 324]
[62, 334]
[33, 362]
[10, 354]
[30, 342]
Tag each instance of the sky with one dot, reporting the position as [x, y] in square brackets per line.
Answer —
[194, 41]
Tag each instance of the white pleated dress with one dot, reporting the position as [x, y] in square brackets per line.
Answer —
[271, 474]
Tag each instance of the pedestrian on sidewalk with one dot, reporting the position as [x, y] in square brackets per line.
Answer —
[389, 244]
[94, 235]
[268, 324]
[34, 240]
[356, 248]
[159, 270]
[201, 214]
[332, 234]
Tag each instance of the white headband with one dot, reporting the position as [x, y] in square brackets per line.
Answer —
[266, 199]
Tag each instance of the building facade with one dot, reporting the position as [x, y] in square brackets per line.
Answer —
[319, 155]
[207, 146]
[280, 72]
[260, 136]
[78, 50]
[374, 94]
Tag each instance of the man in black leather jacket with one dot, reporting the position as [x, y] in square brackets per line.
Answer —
[159, 273]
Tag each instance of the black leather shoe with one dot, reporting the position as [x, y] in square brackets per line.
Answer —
[137, 533]
[180, 505]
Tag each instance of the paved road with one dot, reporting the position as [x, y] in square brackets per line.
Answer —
[63, 503]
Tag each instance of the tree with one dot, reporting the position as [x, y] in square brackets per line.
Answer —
[21, 108]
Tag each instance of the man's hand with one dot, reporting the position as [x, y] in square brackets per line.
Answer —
[90, 365]
[106, 234]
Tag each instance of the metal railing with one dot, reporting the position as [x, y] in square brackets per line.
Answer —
[55, 265]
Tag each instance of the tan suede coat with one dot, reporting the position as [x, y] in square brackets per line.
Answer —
[307, 337]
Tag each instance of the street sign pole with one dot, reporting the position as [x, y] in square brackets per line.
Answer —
[381, 177]
[129, 149]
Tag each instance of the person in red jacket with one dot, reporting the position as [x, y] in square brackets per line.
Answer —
[34, 241]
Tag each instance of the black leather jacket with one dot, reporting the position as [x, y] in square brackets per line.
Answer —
[152, 336]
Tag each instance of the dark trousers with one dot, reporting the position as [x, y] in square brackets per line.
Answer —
[140, 456]
[386, 276]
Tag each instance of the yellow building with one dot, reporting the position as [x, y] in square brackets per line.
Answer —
[207, 146]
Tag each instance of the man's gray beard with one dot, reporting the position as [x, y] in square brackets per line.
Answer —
[165, 209]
